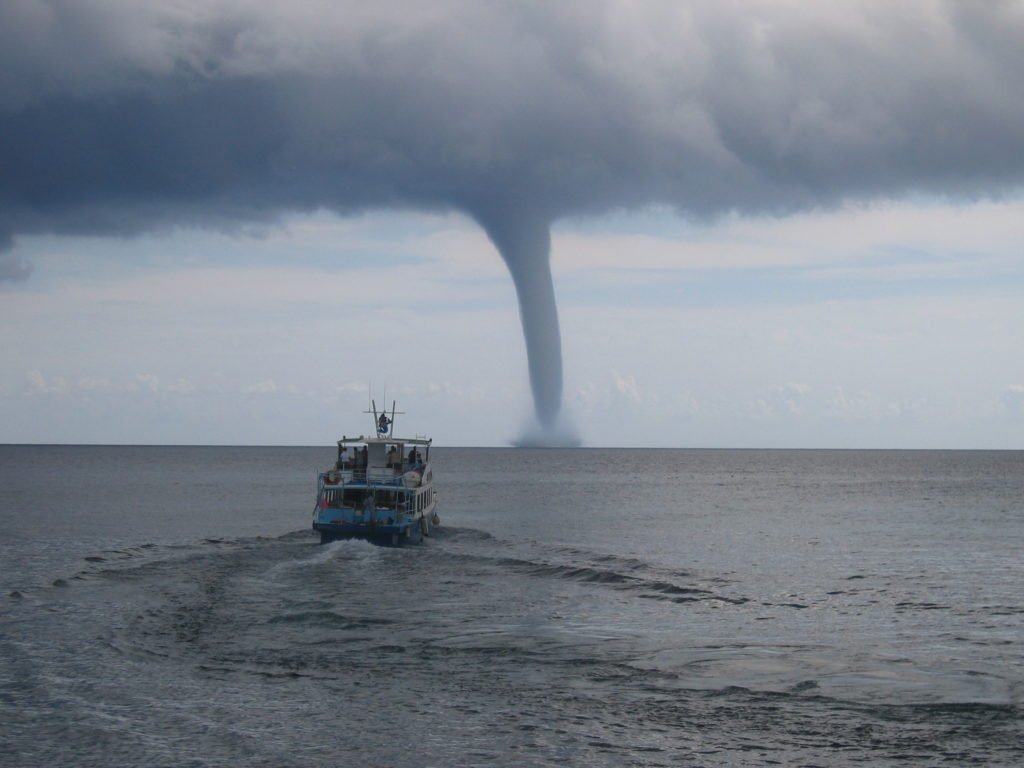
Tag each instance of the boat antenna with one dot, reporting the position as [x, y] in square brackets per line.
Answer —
[384, 426]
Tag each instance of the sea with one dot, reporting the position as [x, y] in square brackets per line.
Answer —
[171, 606]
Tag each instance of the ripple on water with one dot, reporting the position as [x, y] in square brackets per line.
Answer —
[517, 648]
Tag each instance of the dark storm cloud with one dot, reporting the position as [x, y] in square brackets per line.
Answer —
[118, 117]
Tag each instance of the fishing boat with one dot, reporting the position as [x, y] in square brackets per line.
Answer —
[381, 487]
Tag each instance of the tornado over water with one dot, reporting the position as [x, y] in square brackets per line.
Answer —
[524, 242]
[122, 118]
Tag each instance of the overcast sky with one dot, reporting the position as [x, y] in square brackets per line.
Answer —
[772, 224]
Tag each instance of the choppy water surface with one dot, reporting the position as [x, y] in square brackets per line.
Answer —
[169, 606]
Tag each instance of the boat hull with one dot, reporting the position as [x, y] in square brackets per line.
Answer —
[386, 535]
[393, 535]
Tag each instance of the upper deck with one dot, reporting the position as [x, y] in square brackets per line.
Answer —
[381, 460]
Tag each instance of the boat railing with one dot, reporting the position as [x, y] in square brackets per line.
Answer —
[378, 481]
[395, 475]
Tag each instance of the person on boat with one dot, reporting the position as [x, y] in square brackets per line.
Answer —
[343, 457]
[394, 458]
[382, 424]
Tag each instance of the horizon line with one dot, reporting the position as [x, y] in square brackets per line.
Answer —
[516, 447]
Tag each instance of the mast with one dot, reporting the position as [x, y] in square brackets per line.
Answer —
[382, 424]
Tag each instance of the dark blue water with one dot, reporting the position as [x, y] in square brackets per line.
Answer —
[170, 606]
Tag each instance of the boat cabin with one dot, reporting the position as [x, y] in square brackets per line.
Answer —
[372, 460]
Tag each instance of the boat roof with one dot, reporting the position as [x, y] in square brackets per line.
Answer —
[386, 440]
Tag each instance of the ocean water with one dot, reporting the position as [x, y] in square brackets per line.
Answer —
[171, 606]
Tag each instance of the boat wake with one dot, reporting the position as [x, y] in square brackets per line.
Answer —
[222, 646]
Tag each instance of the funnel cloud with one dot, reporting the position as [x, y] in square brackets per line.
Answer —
[524, 242]
[118, 117]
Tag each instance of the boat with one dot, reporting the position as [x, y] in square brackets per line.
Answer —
[381, 488]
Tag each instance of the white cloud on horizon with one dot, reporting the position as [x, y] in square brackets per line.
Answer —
[209, 341]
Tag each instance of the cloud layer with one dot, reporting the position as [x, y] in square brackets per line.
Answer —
[118, 117]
